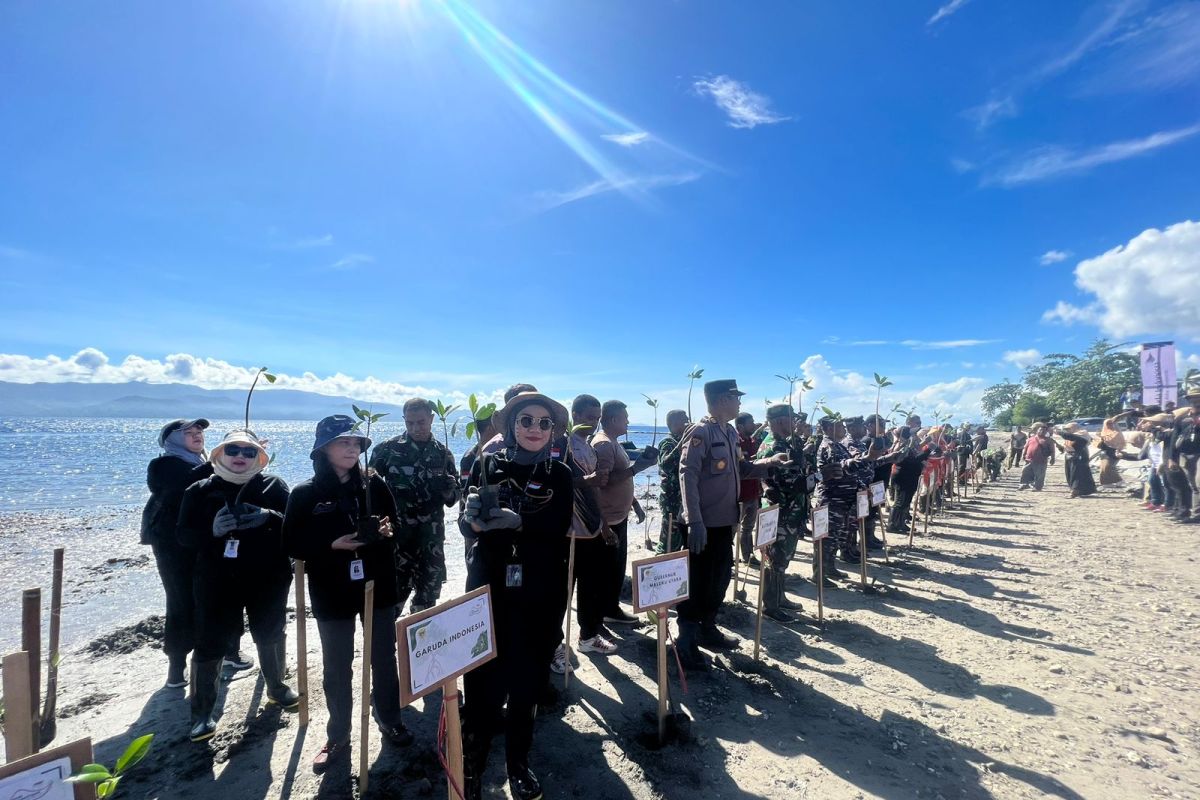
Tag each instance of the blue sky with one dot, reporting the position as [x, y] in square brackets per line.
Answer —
[385, 197]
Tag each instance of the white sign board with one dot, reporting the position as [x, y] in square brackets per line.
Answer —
[441, 643]
[878, 493]
[660, 581]
[864, 504]
[820, 523]
[768, 526]
[45, 782]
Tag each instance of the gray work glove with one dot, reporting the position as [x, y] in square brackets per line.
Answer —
[501, 519]
[697, 537]
[252, 517]
[471, 509]
[647, 459]
[224, 523]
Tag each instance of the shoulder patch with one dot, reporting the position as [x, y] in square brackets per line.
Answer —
[697, 441]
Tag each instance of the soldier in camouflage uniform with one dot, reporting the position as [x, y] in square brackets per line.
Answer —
[837, 489]
[859, 443]
[670, 501]
[785, 487]
[421, 473]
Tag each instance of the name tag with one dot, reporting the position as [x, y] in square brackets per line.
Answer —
[231, 548]
[513, 575]
[356, 570]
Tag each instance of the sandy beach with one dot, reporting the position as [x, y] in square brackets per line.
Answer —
[1031, 646]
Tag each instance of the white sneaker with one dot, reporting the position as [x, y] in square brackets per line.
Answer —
[597, 644]
[561, 664]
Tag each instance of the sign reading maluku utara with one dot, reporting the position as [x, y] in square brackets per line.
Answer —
[441, 643]
[660, 581]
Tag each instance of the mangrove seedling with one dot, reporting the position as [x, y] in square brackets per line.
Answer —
[442, 411]
[790, 380]
[266, 376]
[105, 780]
[479, 413]
[650, 401]
[881, 381]
[693, 376]
[368, 525]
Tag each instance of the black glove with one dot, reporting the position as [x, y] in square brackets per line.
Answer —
[224, 523]
[252, 517]
[647, 459]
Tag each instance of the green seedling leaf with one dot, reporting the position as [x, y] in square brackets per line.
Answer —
[108, 788]
[91, 773]
[471, 429]
[133, 754]
[376, 417]
[269, 377]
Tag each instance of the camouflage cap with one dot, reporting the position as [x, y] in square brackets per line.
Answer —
[779, 410]
[853, 421]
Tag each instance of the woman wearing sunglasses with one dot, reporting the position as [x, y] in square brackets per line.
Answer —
[516, 524]
[234, 521]
[327, 524]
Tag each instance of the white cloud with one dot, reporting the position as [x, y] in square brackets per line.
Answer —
[917, 344]
[962, 165]
[93, 366]
[1054, 256]
[746, 108]
[854, 393]
[627, 139]
[1148, 286]
[994, 109]
[1161, 52]
[1022, 358]
[633, 185]
[1095, 36]
[960, 397]
[352, 260]
[946, 10]
[1053, 161]
[313, 241]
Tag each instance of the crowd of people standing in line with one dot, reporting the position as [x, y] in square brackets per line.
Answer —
[224, 530]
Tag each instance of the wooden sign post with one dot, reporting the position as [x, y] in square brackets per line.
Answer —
[50, 707]
[18, 722]
[879, 501]
[570, 594]
[31, 642]
[364, 719]
[660, 582]
[820, 531]
[301, 643]
[43, 775]
[437, 646]
[739, 591]
[766, 532]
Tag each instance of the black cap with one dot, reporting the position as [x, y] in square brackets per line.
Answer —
[180, 425]
[780, 410]
[337, 426]
[828, 420]
[717, 389]
[853, 421]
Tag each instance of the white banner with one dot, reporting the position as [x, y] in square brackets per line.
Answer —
[1158, 374]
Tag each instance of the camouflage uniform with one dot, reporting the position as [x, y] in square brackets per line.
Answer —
[786, 487]
[412, 471]
[864, 472]
[839, 494]
[670, 499]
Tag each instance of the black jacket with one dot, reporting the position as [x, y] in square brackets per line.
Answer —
[323, 509]
[260, 550]
[167, 477]
[909, 469]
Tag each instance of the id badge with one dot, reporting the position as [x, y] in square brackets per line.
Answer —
[231, 547]
[356, 570]
[513, 575]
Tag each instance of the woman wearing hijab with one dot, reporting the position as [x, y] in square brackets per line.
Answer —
[323, 526]
[1079, 471]
[516, 524]
[181, 464]
[234, 522]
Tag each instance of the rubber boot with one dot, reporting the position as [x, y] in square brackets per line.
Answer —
[475, 755]
[206, 677]
[271, 661]
[688, 647]
[711, 637]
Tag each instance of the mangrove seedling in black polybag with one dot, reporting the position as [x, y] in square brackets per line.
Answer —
[368, 524]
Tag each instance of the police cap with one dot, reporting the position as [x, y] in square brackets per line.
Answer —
[714, 390]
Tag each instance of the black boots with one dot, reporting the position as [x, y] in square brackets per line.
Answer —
[271, 660]
[688, 646]
[711, 637]
[176, 678]
[522, 783]
[206, 677]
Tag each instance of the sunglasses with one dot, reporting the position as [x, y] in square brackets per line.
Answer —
[233, 451]
[543, 423]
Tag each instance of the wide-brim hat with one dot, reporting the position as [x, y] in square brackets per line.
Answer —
[1070, 427]
[337, 426]
[180, 425]
[558, 412]
[246, 438]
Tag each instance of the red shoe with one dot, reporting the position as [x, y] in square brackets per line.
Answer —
[1159, 508]
[1148, 506]
[329, 754]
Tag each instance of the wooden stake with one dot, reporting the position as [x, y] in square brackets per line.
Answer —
[820, 582]
[862, 552]
[18, 723]
[914, 510]
[364, 719]
[662, 675]
[31, 643]
[49, 710]
[454, 750]
[929, 502]
[570, 593]
[762, 570]
[301, 643]
[883, 534]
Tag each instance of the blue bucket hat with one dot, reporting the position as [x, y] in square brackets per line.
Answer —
[338, 426]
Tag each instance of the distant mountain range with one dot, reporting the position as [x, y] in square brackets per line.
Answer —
[167, 400]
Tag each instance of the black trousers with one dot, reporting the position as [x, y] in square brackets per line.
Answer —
[593, 563]
[904, 496]
[1177, 480]
[709, 573]
[615, 574]
[516, 675]
[176, 567]
[337, 659]
[222, 596]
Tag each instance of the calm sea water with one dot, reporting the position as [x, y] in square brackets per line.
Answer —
[81, 484]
